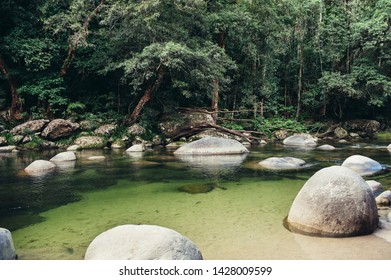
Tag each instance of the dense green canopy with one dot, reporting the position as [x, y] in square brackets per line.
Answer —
[140, 59]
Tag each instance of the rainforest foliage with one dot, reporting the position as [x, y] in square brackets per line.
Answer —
[135, 60]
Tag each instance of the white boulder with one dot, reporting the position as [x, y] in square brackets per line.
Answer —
[142, 242]
[334, 202]
[64, 156]
[7, 249]
[212, 146]
[362, 165]
[39, 167]
[282, 163]
[301, 140]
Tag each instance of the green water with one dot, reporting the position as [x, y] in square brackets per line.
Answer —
[236, 212]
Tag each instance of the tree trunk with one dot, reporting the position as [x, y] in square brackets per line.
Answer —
[147, 94]
[215, 93]
[215, 99]
[299, 81]
[16, 104]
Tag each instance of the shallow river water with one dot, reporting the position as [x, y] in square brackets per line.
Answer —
[228, 206]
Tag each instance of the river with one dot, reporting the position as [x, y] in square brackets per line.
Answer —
[228, 206]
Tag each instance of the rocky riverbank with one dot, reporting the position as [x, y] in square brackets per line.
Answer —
[172, 131]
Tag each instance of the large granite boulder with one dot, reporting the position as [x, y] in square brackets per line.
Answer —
[90, 142]
[301, 140]
[212, 146]
[340, 133]
[142, 242]
[362, 165]
[39, 167]
[362, 127]
[136, 130]
[106, 129]
[64, 156]
[334, 202]
[59, 128]
[173, 125]
[29, 127]
[7, 249]
[282, 163]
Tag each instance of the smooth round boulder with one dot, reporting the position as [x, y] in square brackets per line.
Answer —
[136, 148]
[39, 167]
[73, 148]
[334, 202]
[282, 163]
[64, 156]
[362, 165]
[212, 146]
[142, 242]
[7, 149]
[326, 147]
[301, 140]
[7, 249]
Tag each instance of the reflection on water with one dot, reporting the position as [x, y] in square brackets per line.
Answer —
[226, 204]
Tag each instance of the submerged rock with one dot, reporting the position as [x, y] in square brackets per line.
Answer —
[7, 249]
[334, 202]
[212, 146]
[198, 188]
[362, 165]
[39, 167]
[282, 163]
[142, 242]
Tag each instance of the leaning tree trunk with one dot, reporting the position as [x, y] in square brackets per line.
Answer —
[16, 104]
[147, 94]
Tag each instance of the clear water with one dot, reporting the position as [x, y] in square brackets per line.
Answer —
[235, 209]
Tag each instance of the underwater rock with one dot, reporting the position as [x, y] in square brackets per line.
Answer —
[212, 146]
[7, 249]
[198, 188]
[362, 165]
[334, 202]
[142, 242]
